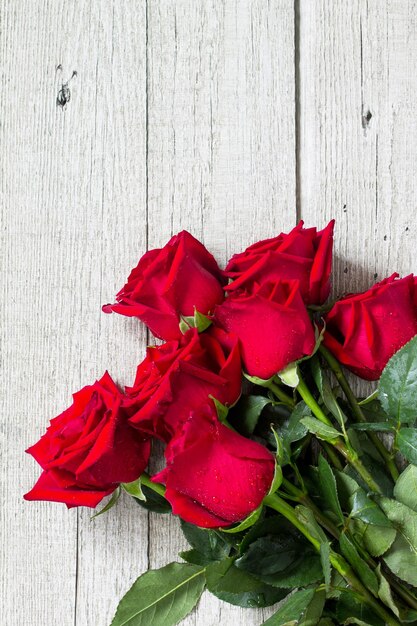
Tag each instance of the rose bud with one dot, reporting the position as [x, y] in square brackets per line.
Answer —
[272, 324]
[303, 254]
[179, 376]
[89, 449]
[214, 476]
[169, 283]
[364, 330]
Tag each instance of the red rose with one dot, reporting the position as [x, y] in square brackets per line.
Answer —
[214, 476]
[303, 254]
[272, 324]
[89, 449]
[179, 376]
[364, 330]
[169, 283]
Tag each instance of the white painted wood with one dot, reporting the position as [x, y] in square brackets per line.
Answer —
[221, 155]
[73, 194]
[359, 57]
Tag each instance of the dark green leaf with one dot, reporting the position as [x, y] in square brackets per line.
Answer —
[328, 488]
[208, 543]
[384, 592]
[307, 569]
[350, 552]
[293, 609]
[248, 411]
[365, 509]
[401, 558]
[195, 557]
[405, 489]
[374, 411]
[161, 597]
[398, 385]
[407, 443]
[154, 502]
[238, 587]
[325, 563]
[269, 555]
[322, 431]
[373, 426]
[350, 608]
[315, 609]
[294, 429]
[309, 521]
[375, 539]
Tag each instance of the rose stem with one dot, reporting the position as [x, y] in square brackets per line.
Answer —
[331, 528]
[147, 482]
[281, 395]
[357, 411]
[338, 562]
[350, 455]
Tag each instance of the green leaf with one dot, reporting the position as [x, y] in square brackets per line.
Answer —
[307, 518]
[372, 396]
[407, 443]
[289, 375]
[195, 557]
[269, 555]
[365, 509]
[405, 489]
[294, 429]
[322, 431]
[326, 391]
[247, 523]
[248, 410]
[277, 480]
[208, 543]
[255, 380]
[201, 321]
[161, 597]
[154, 502]
[221, 409]
[238, 587]
[325, 563]
[398, 385]
[384, 592]
[350, 610]
[373, 426]
[350, 552]
[401, 558]
[328, 488]
[307, 569]
[110, 504]
[375, 539]
[293, 609]
[134, 489]
[314, 609]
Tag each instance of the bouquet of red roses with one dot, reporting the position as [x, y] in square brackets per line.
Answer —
[285, 489]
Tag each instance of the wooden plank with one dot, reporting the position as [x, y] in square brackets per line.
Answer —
[113, 548]
[221, 155]
[73, 224]
[357, 116]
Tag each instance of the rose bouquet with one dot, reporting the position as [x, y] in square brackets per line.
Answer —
[285, 489]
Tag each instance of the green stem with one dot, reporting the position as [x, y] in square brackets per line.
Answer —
[332, 455]
[357, 411]
[146, 481]
[281, 395]
[349, 454]
[337, 561]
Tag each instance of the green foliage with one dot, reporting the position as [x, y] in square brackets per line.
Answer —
[401, 558]
[247, 413]
[238, 587]
[322, 431]
[365, 573]
[328, 488]
[352, 610]
[153, 502]
[294, 609]
[208, 545]
[110, 504]
[407, 443]
[161, 597]
[405, 489]
[398, 385]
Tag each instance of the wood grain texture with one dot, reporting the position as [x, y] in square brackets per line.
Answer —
[357, 142]
[221, 155]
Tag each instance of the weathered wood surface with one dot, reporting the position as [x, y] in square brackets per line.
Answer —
[230, 118]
